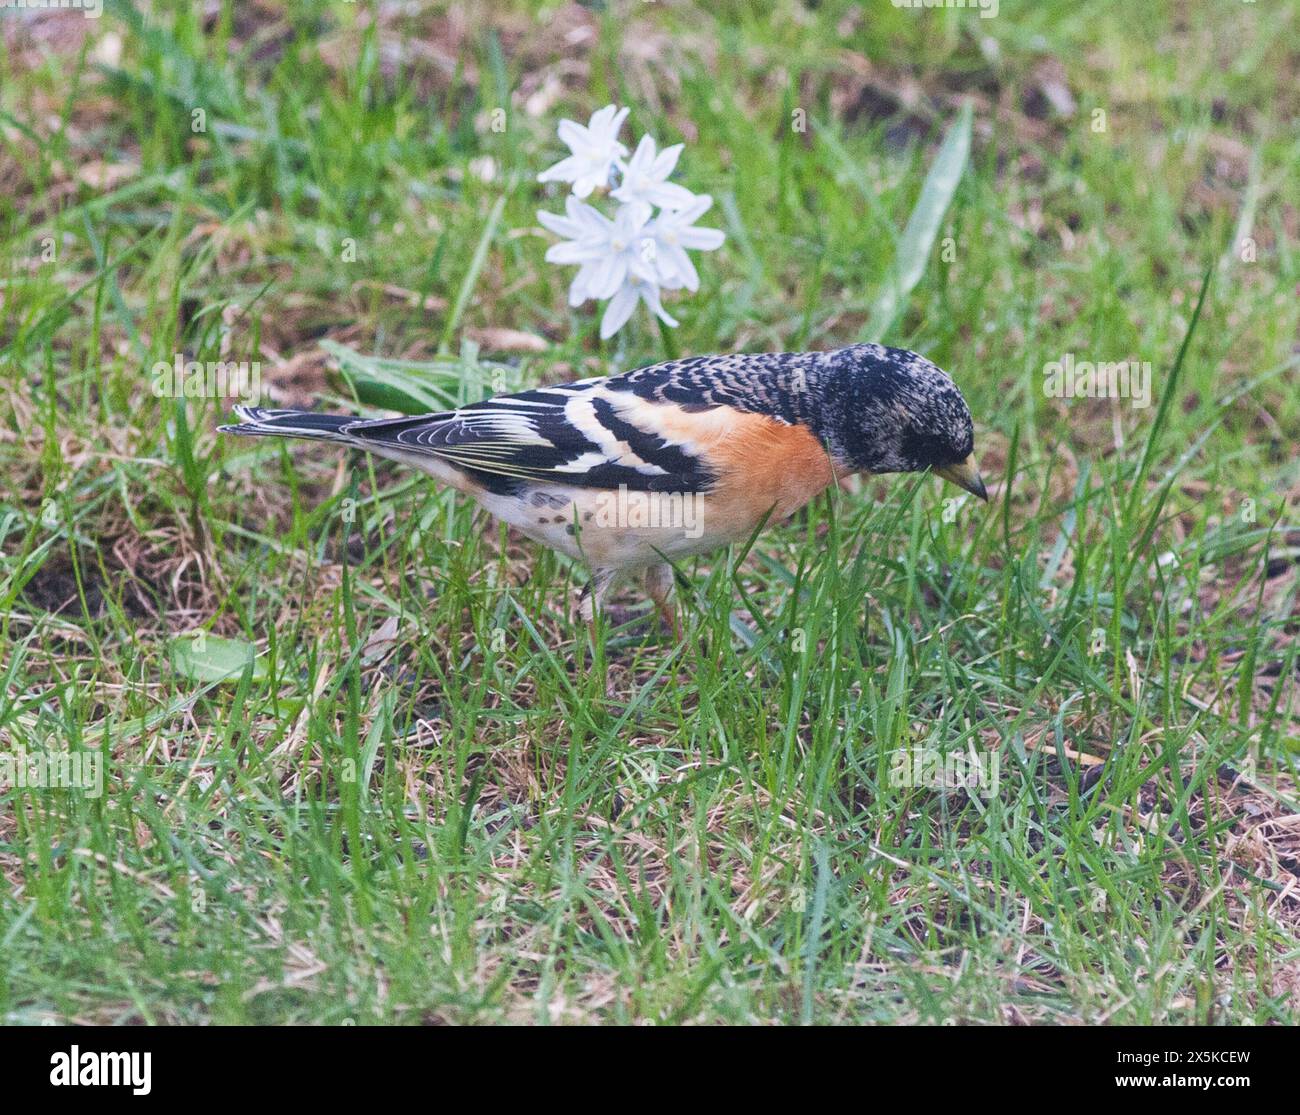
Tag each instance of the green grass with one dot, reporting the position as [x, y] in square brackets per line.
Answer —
[425, 801]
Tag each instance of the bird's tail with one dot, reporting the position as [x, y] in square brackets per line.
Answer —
[263, 422]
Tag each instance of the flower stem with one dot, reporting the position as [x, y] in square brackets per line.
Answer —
[671, 350]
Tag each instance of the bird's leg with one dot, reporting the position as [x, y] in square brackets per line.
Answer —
[593, 597]
[659, 587]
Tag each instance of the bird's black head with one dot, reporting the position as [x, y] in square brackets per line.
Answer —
[889, 410]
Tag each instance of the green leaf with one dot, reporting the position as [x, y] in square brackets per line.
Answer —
[417, 387]
[922, 227]
[204, 657]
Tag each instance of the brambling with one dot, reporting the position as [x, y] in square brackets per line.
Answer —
[629, 472]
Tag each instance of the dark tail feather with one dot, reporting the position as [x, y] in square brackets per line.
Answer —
[262, 422]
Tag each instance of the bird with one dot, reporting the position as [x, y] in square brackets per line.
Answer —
[629, 473]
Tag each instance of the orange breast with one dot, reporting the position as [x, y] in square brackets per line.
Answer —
[766, 464]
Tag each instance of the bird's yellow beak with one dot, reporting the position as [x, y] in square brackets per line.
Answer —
[965, 475]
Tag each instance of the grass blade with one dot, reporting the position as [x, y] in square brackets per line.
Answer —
[922, 227]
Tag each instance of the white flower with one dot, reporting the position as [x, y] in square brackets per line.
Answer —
[624, 302]
[632, 258]
[586, 230]
[672, 234]
[607, 252]
[596, 150]
[645, 178]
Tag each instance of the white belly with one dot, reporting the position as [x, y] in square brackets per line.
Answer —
[602, 528]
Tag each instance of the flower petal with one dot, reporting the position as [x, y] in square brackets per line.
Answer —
[610, 273]
[666, 161]
[651, 296]
[669, 195]
[643, 265]
[630, 220]
[693, 212]
[573, 251]
[580, 288]
[591, 218]
[563, 171]
[678, 263]
[643, 157]
[573, 135]
[639, 209]
[618, 311]
[561, 226]
[701, 239]
[614, 123]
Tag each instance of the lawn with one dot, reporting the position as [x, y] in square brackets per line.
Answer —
[354, 756]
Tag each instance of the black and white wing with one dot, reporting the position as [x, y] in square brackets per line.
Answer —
[582, 434]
